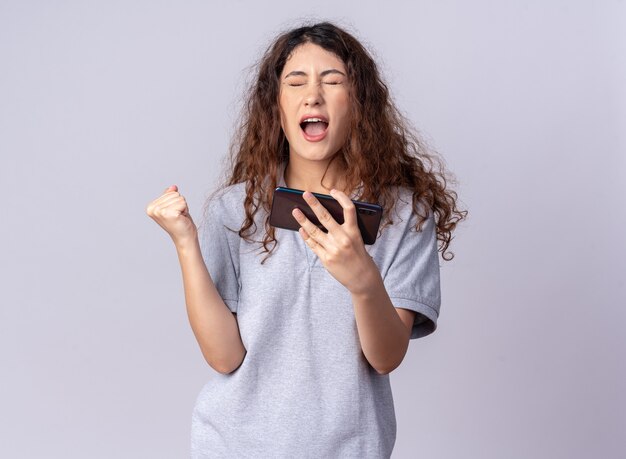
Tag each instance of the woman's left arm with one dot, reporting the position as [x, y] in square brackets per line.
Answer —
[384, 331]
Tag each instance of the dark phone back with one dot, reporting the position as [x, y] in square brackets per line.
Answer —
[287, 199]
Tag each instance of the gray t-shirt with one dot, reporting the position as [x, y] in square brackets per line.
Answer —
[304, 388]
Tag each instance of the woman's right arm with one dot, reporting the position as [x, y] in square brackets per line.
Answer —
[214, 325]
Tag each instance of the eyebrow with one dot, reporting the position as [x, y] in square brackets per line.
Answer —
[323, 74]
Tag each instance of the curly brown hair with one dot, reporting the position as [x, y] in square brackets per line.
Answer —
[383, 151]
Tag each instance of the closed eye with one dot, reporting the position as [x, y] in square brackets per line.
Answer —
[295, 80]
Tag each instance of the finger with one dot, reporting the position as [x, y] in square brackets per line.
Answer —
[178, 204]
[312, 230]
[320, 211]
[312, 243]
[163, 201]
[181, 209]
[169, 191]
[349, 209]
[169, 200]
[168, 194]
[173, 206]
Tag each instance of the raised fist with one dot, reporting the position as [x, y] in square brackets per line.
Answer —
[170, 211]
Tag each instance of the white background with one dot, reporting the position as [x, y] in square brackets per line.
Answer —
[105, 104]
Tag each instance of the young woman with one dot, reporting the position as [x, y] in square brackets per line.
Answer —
[304, 327]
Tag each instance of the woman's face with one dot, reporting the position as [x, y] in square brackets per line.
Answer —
[314, 103]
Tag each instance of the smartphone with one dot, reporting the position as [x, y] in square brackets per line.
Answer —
[286, 199]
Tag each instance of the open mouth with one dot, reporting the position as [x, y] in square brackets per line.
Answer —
[314, 128]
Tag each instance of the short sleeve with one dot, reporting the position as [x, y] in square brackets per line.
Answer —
[220, 252]
[412, 278]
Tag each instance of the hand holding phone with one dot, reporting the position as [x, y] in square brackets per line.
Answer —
[286, 199]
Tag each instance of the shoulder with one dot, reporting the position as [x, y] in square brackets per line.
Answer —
[405, 214]
[226, 204]
[404, 228]
[227, 196]
[223, 210]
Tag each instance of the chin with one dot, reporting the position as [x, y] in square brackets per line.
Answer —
[316, 158]
[314, 154]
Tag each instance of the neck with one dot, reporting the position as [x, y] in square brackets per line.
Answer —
[314, 176]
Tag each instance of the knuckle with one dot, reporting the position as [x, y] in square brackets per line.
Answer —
[314, 231]
[345, 243]
[331, 257]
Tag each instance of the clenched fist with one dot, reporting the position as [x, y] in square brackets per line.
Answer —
[170, 211]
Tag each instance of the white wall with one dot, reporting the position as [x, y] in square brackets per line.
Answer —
[102, 105]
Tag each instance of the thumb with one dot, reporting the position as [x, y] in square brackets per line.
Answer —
[171, 188]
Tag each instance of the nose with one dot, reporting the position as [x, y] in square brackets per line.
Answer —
[313, 96]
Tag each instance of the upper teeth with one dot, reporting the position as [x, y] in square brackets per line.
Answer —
[312, 120]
